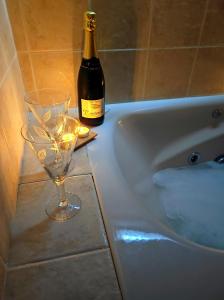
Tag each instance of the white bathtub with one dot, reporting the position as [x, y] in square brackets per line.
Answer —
[136, 141]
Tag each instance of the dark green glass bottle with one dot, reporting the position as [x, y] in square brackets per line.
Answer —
[91, 85]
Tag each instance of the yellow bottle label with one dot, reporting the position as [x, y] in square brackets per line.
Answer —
[92, 109]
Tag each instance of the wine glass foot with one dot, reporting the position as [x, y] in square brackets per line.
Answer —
[63, 213]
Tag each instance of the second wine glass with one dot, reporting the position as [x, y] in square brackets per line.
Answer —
[55, 156]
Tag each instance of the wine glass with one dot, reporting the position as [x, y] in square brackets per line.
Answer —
[55, 155]
[48, 107]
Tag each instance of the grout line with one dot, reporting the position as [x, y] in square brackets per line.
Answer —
[151, 9]
[192, 72]
[100, 209]
[148, 61]
[197, 49]
[49, 179]
[56, 259]
[49, 51]
[77, 50]
[8, 70]
[28, 46]
[203, 22]
[164, 48]
[123, 50]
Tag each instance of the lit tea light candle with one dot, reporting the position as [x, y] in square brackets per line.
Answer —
[83, 132]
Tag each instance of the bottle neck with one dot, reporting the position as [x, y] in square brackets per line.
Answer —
[89, 50]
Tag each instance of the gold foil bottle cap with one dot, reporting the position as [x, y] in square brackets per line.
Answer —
[90, 20]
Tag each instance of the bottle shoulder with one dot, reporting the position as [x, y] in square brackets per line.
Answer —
[92, 63]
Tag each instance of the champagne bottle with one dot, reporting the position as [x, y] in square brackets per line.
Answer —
[91, 85]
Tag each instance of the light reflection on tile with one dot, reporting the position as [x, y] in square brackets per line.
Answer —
[11, 119]
[129, 236]
[7, 48]
[57, 69]
[53, 25]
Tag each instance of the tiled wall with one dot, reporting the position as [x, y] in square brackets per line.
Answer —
[149, 48]
[2, 277]
[11, 118]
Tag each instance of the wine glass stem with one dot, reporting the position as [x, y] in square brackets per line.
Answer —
[61, 193]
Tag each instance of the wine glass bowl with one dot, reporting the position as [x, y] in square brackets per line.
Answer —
[48, 106]
[55, 155]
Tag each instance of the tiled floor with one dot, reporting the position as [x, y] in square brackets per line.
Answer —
[35, 237]
[54, 260]
[83, 277]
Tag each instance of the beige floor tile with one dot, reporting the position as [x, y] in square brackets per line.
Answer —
[35, 237]
[83, 277]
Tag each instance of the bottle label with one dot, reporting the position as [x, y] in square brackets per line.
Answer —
[92, 109]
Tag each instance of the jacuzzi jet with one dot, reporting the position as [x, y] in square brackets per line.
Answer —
[217, 113]
[194, 158]
[219, 159]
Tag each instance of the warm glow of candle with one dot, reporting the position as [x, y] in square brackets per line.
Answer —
[83, 131]
[67, 141]
[68, 137]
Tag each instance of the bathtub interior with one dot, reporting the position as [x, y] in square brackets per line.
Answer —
[153, 149]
